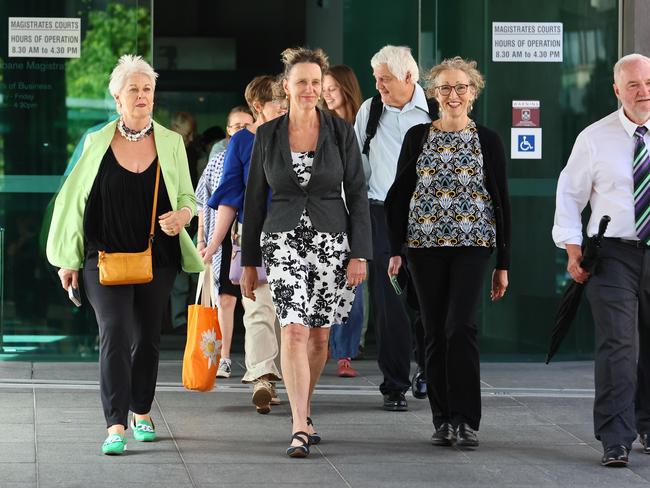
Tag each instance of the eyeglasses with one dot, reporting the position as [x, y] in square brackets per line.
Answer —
[445, 90]
[237, 127]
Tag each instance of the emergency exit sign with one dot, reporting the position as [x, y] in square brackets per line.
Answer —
[527, 42]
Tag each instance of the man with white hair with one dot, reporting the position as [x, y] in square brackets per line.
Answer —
[403, 105]
[609, 168]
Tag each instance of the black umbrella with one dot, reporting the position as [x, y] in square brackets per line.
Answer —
[573, 292]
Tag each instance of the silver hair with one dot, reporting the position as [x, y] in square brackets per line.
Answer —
[127, 66]
[399, 61]
[630, 58]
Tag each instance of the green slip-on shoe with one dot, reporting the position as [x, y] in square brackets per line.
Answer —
[114, 445]
[143, 430]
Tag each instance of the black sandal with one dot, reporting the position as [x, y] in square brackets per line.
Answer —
[315, 437]
[301, 451]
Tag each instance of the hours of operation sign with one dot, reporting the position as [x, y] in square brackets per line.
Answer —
[44, 37]
[527, 42]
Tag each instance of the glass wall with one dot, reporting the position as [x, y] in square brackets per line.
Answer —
[47, 101]
[206, 52]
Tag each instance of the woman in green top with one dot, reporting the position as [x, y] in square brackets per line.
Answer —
[106, 204]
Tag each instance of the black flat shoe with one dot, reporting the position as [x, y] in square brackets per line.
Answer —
[445, 435]
[615, 457]
[419, 385]
[301, 451]
[466, 437]
[645, 442]
[315, 437]
[395, 402]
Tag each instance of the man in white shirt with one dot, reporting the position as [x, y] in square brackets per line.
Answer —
[404, 105]
[609, 168]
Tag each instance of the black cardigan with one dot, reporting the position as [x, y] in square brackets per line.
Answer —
[399, 196]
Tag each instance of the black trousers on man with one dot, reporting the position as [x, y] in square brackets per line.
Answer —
[449, 281]
[619, 295]
[392, 323]
[129, 319]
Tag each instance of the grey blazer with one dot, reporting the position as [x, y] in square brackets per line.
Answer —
[337, 162]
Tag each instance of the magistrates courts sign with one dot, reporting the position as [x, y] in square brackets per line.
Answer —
[527, 42]
[44, 37]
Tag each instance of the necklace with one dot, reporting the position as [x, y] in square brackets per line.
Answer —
[134, 135]
[442, 129]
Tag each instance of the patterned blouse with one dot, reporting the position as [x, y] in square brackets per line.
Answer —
[207, 183]
[451, 206]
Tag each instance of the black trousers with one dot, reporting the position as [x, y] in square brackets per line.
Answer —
[449, 283]
[392, 323]
[129, 319]
[619, 295]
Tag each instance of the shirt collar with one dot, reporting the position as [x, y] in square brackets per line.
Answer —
[628, 125]
[418, 100]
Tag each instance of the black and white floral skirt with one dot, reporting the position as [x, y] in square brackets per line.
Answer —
[307, 275]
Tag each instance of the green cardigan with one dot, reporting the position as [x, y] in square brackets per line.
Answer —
[65, 241]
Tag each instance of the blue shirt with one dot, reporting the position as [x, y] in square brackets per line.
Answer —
[380, 166]
[232, 186]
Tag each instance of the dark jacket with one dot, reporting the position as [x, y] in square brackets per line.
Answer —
[337, 164]
[399, 196]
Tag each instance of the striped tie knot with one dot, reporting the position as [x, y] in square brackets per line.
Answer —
[640, 131]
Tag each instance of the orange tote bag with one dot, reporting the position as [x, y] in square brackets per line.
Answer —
[203, 346]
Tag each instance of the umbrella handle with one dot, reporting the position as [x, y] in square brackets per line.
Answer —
[602, 226]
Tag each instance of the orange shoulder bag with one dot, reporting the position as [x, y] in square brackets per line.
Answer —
[130, 268]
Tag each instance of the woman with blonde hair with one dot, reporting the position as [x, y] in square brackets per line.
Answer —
[314, 246]
[449, 205]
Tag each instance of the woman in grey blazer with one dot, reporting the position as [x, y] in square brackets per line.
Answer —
[315, 244]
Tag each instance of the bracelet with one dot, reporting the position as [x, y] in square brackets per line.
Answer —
[200, 242]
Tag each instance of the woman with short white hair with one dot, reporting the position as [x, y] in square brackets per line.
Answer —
[129, 192]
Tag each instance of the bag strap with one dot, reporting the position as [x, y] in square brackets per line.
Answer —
[205, 289]
[155, 203]
[376, 109]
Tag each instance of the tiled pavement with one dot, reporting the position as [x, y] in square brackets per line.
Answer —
[536, 431]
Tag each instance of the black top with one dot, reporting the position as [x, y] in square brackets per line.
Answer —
[399, 196]
[118, 213]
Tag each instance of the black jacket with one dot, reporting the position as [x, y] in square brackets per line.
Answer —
[399, 196]
[337, 165]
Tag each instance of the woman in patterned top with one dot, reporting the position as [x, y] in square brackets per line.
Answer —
[239, 118]
[447, 210]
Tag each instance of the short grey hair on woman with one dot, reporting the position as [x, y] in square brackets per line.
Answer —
[127, 66]
[630, 58]
[399, 61]
[467, 66]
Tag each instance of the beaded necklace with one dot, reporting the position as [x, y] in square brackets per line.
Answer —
[134, 135]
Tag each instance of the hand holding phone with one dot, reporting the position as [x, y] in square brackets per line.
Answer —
[74, 295]
[396, 287]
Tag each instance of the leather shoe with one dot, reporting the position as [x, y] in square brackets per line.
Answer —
[444, 435]
[645, 441]
[395, 402]
[615, 457]
[419, 385]
[466, 437]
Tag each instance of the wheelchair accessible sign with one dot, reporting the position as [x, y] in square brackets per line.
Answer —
[525, 135]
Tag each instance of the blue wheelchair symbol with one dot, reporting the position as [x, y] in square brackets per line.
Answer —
[526, 143]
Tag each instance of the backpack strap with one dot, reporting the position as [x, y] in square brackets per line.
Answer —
[376, 109]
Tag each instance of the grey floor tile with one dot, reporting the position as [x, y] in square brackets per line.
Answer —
[15, 370]
[70, 415]
[17, 473]
[18, 433]
[511, 415]
[162, 451]
[17, 452]
[67, 371]
[108, 472]
[267, 474]
[71, 399]
[16, 399]
[592, 474]
[17, 415]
